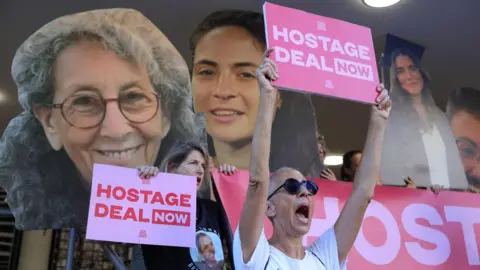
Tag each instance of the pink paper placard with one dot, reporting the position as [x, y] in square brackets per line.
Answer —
[127, 209]
[321, 55]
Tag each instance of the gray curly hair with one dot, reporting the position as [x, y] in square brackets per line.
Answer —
[43, 185]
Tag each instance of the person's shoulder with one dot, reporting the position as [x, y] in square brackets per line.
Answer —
[324, 241]
[208, 206]
[208, 203]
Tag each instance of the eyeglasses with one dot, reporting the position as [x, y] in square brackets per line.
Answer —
[87, 109]
[293, 186]
[468, 149]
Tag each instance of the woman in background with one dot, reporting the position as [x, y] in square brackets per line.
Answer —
[213, 237]
[419, 144]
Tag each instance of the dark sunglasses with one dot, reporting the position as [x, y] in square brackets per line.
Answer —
[293, 186]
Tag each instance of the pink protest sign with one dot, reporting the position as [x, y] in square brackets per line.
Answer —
[124, 208]
[321, 55]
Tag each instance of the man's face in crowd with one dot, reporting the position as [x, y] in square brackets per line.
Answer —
[290, 213]
[207, 250]
[466, 129]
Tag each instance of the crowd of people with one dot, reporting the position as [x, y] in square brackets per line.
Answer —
[108, 87]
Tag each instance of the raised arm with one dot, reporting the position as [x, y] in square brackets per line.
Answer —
[351, 217]
[253, 212]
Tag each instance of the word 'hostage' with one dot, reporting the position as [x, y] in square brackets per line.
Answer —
[315, 51]
[144, 212]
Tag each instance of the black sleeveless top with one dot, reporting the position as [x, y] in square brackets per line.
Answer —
[213, 248]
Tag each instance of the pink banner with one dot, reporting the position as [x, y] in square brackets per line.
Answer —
[321, 55]
[403, 228]
[127, 209]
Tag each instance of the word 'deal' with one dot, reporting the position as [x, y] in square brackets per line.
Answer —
[313, 49]
[151, 215]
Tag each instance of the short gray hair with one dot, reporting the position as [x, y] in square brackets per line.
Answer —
[40, 182]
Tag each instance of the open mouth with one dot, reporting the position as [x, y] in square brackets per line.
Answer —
[199, 180]
[302, 213]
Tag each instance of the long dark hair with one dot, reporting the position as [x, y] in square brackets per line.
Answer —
[403, 151]
[287, 146]
[403, 100]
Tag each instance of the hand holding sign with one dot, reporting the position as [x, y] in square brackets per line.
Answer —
[145, 172]
[266, 73]
[436, 189]
[381, 111]
[410, 183]
[227, 169]
[328, 175]
[321, 55]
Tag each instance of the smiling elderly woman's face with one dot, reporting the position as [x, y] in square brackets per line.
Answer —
[110, 113]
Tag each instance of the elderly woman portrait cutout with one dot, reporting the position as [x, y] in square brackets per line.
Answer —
[103, 86]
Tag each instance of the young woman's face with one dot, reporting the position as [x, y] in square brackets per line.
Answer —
[408, 75]
[224, 83]
[193, 165]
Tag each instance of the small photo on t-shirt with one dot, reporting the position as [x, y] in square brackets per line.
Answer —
[208, 251]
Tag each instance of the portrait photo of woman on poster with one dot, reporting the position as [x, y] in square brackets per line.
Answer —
[227, 48]
[102, 86]
[419, 144]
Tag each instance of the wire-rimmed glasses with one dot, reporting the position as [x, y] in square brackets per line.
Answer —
[468, 149]
[87, 109]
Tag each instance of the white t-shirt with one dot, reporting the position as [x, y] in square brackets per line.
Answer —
[324, 249]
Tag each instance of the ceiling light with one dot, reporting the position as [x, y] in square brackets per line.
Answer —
[380, 3]
[333, 160]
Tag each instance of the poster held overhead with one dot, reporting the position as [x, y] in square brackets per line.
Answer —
[321, 55]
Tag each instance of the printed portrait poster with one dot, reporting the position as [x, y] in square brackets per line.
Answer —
[208, 251]
[418, 144]
[463, 112]
[48, 151]
[225, 88]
